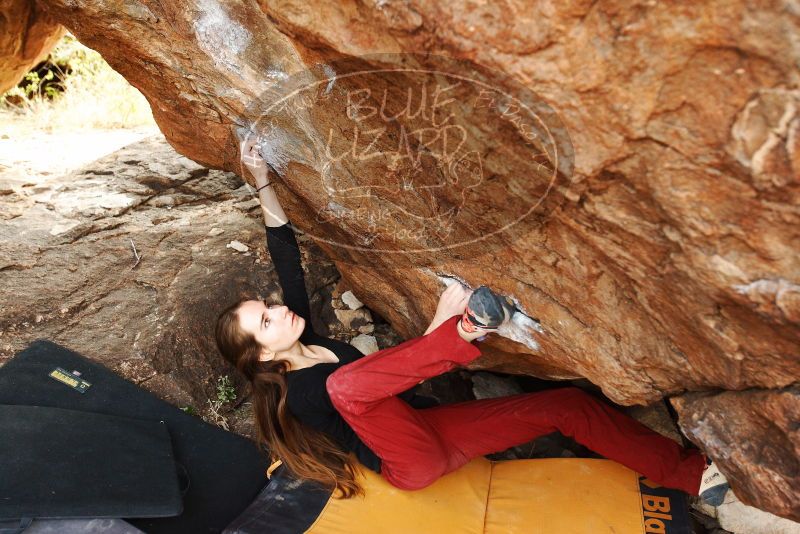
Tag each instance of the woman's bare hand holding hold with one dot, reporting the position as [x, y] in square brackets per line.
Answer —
[453, 301]
[252, 160]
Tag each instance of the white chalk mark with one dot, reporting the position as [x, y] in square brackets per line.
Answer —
[775, 288]
[331, 74]
[276, 74]
[337, 209]
[222, 38]
[519, 330]
[269, 146]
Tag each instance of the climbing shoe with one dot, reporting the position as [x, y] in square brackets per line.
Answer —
[713, 485]
[486, 311]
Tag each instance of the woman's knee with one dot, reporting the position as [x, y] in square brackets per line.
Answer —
[344, 394]
[337, 386]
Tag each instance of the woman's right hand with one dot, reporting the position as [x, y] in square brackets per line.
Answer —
[253, 161]
[453, 300]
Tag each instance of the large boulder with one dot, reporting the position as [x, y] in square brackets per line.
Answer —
[755, 436]
[105, 260]
[661, 256]
[27, 34]
[128, 259]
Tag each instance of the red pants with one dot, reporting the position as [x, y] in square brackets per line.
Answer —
[417, 446]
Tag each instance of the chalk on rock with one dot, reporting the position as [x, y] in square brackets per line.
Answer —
[365, 343]
[352, 302]
[237, 246]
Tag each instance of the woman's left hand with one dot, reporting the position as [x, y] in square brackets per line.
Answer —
[253, 161]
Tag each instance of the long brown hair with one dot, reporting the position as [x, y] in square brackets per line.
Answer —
[307, 453]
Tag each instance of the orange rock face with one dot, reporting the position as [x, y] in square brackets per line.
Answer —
[629, 173]
[27, 35]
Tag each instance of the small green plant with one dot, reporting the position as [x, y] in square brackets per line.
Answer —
[225, 393]
[33, 85]
[225, 390]
[189, 409]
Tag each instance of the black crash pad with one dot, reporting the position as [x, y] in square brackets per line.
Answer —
[61, 463]
[226, 471]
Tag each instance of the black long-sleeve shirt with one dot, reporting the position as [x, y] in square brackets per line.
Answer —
[307, 396]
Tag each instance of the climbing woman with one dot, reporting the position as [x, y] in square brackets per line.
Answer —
[316, 400]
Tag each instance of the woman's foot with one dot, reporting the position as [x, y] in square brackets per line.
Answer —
[713, 485]
[486, 311]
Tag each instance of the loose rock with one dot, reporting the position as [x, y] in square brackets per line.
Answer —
[365, 343]
[350, 299]
[237, 246]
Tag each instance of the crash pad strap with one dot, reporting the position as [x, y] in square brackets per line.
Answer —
[273, 466]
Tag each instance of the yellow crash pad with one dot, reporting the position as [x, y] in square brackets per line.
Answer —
[547, 496]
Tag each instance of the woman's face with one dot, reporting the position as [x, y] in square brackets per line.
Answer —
[274, 326]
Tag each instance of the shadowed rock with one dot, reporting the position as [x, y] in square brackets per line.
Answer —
[755, 437]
